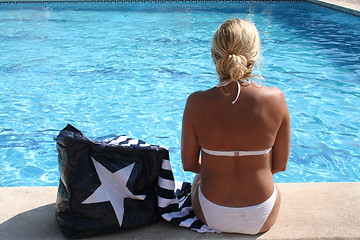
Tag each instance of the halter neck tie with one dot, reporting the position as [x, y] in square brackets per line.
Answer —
[223, 84]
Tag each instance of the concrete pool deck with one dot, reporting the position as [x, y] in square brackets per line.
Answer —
[308, 211]
[348, 6]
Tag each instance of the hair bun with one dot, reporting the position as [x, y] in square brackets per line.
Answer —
[235, 48]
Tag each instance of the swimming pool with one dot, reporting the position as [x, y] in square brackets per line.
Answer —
[127, 68]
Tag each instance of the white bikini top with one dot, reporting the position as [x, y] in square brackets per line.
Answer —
[223, 84]
[236, 153]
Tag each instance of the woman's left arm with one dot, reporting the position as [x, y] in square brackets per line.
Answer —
[190, 148]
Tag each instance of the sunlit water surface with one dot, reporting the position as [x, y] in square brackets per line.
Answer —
[111, 69]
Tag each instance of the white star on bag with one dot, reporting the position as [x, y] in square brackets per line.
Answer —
[113, 188]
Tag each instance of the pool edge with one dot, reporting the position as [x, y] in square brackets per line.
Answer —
[339, 5]
[309, 211]
[342, 6]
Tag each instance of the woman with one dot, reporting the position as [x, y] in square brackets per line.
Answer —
[243, 138]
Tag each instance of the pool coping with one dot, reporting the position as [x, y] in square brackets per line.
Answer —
[339, 5]
[308, 211]
[342, 6]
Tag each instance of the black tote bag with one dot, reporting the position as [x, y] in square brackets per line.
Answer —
[106, 186]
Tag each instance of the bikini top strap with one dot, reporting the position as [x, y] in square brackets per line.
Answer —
[236, 153]
[238, 93]
[223, 84]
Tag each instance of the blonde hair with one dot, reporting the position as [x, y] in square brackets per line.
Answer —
[235, 50]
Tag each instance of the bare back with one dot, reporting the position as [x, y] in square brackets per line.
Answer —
[257, 121]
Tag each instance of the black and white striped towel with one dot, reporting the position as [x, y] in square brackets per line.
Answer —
[174, 199]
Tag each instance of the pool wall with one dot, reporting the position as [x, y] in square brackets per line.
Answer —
[347, 6]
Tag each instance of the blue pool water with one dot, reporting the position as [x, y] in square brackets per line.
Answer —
[112, 69]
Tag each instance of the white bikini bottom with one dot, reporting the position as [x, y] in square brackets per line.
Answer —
[246, 220]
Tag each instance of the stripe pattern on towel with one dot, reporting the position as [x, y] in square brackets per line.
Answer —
[174, 199]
